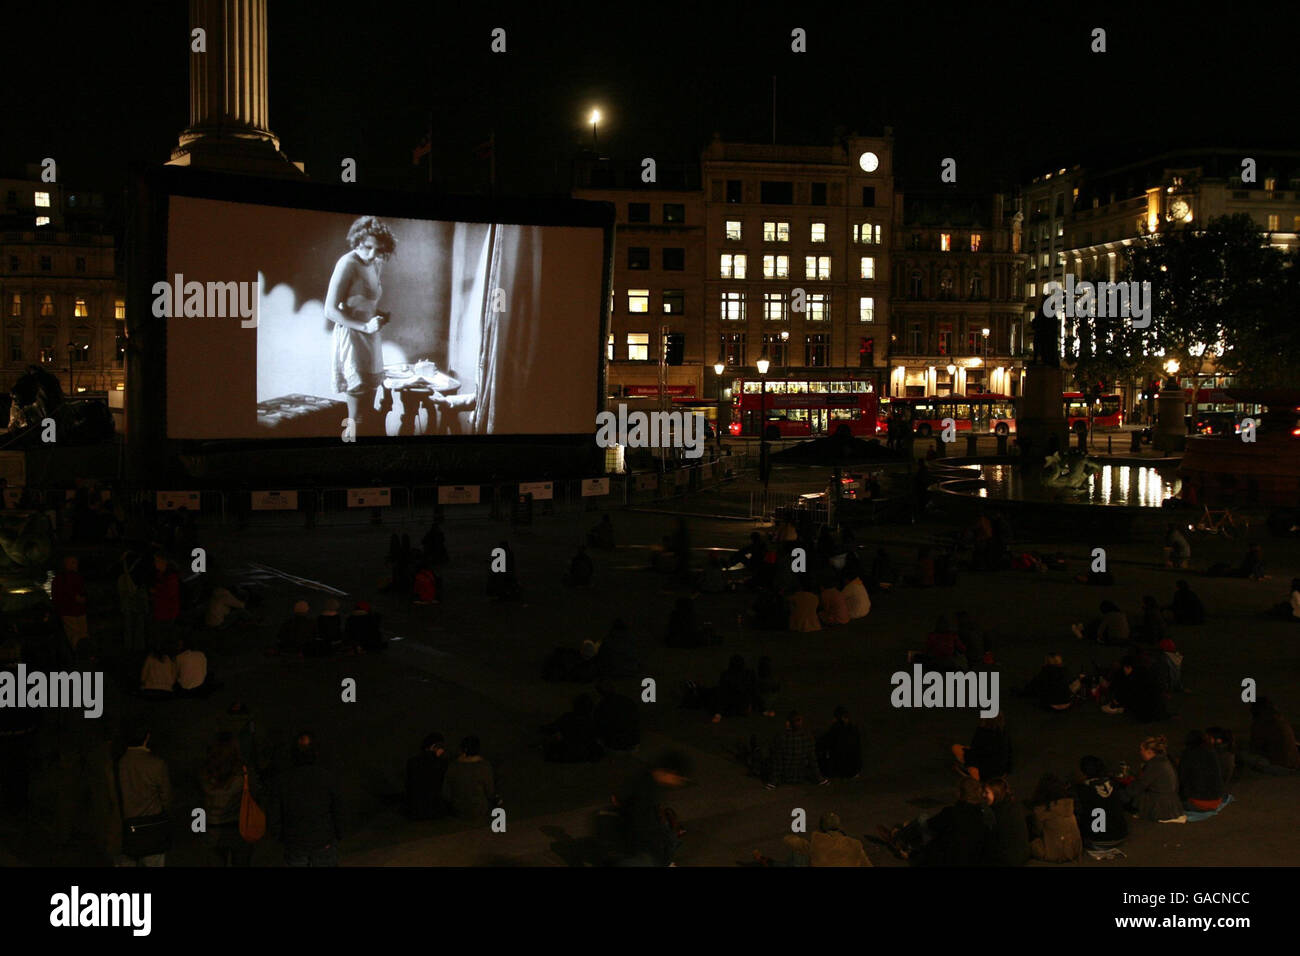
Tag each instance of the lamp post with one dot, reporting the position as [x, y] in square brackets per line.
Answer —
[595, 118]
[73, 349]
[718, 368]
[985, 333]
[763, 365]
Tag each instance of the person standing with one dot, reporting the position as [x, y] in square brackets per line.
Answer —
[470, 788]
[425, 774]
[146, 791]
[306, 812]
[222, 782]
[69, 595]
[133, 601]
[165, 601]
[839, 750]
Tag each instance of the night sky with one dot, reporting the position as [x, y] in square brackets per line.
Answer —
[1009, 96]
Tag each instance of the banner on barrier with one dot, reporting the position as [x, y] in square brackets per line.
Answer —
[275, 501]
[592, 487]
[540, 490]
[370, 497]
[458, 494]
[172, 500]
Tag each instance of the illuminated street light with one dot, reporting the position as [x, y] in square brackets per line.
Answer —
[595, 118]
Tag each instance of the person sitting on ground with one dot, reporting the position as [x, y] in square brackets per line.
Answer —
[1225, 751]
[363, 632]
[425, 586]
[193, 679]
[1152, 629]
[1054, 833]
[1272, 747]
[1135, 689]
[601, 537]
[989, 753]
[856, 599]
[224, 609]
[158, 675]
[1186, 607]
[1008, 844]
[581, 569]
[944, 650]
[1051, 685]
[297, 632]
[683, 628]
[1178, 553]
[469, 788]
[1167, 664]
[425, 774]
[958, 835]
[1111, 627]
[617, 720]
[572, 738]
[329, 628]
[829, 846]
[1098, 792]
[737, 692]
[1200, 778]
[834, 609]
[793, 756]
[803, 611]
[1289, 610]
[713, 580]
[618, 656]
[1154, 794]
[839, 749]
[1251, 567]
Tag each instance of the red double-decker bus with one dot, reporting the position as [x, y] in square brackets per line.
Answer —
[984, 412]
[1107, 411]
[796, 408]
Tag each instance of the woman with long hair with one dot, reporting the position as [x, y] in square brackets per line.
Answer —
[222, 781]
[1154, 794]
[350, 305]
[1056, 837]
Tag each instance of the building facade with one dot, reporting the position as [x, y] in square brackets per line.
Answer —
[64, 305]
[957, 276]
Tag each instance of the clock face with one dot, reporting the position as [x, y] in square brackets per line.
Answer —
[1179, 209]
[869, 162]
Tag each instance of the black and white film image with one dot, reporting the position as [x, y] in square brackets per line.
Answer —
[377, 326]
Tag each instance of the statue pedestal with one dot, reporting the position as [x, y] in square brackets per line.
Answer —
[1170, 432]
[1041, 427]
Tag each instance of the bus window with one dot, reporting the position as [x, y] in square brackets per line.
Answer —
[923, 410]
[963, 412]
[796, 414]
[943, 410]
[845, 414]
[753, 388]
[776, 388]
[796, 388]
[817, 387]
[1110, 405]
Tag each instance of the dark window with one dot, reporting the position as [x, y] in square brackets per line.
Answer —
[734, 191]
[733, 348]
[818, 194]
[13, 264]
[15, 347]
[816, 351]
[674, 260]
[638, 257]
[638, 212]
[81, 263]
[674, 212]
[12, 198]
[777, 349]
[674, 301]
[46, 263]
[777, 193]
[868, 195]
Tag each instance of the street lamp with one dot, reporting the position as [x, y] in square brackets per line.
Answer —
[1171, 369]
[763, 365]
[595, 118]
[985, 333]
[718, 368]
[73, 349]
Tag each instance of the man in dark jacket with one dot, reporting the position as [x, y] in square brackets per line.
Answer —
[839, 750]
[306, 813]
[425, 773]
[961, 832]
[649, 832]
[1097, 792]
[794, 755]
[1187, 607]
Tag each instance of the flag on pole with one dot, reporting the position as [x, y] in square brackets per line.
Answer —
[425, 147]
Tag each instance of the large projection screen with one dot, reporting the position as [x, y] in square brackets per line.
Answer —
[484, 329]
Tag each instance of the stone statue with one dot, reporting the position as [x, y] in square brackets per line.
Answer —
[1047, 352]
[1071, 471]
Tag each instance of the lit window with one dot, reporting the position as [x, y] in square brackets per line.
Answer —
[868, 267]
[1047, 258]
[79, 309]
[975, 240]
[638, 300]
[733, 265]
[945, 241]
[733, 306]
[774, 306]
[776, 267]
[733, 229]
[42, 220]
[817, 267]
[638, 346]
[819, 307]
[866, 309]
[41, 200]
[1270, 184]
[776, 232]
[866, 233]
[119, 309]
[81, 263]
[609, 347]
[1033, 289]
[16, 305]
[1272, 222]
[47, 305]
[818, 232]
[674, 301]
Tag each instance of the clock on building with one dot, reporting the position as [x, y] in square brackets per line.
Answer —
[1180, 210]
[869, 162]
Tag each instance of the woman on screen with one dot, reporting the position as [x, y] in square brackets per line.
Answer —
[354, 293]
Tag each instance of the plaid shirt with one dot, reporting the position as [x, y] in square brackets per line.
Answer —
[794, 758]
